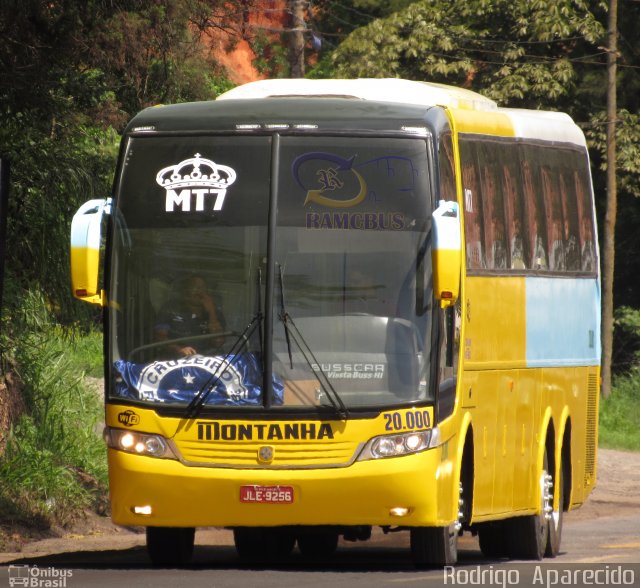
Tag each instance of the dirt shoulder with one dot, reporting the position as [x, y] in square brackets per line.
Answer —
[617, 491]
[617, 488]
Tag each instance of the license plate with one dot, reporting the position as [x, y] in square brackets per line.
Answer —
[267, 494]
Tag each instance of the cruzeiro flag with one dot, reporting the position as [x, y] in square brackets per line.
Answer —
[234, 380]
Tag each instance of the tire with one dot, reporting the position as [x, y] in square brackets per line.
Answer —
[263, 544]
[528, 535]
[493, 539]
[555, 522]
[438, 546]
[170, 546]
[318, 544]
[434, 546]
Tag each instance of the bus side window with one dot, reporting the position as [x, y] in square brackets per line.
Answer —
[493, 207]
[587, 247]
[553, 214]
[534, 209]
[472, 206]
[514, 209]
[571, 221]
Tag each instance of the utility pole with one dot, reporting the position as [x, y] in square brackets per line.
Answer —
[608, 261]
[296, 38]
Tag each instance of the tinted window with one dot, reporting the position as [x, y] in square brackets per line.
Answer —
[354, 217]
[526, 207]
[493, 206]
[473, 209]
[515, 209]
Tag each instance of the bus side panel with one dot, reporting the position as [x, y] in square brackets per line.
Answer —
[528, 343]
[563, 322]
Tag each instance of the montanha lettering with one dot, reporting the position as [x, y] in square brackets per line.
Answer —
[216, 431]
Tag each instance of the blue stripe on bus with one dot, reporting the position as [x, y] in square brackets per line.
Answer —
[563, 321]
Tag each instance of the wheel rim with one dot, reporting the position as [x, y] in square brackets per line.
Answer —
[546, 499]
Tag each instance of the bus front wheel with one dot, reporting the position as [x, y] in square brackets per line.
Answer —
[434, 546]
[170, 546]
[438, 546]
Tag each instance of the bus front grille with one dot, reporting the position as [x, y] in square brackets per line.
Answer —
[312, 454]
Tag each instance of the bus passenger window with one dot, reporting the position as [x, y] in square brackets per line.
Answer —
[587, 247]
[493, 203]
[534, 213]
[514, 211]
[472, 207]
[555, 222]
[570, 215]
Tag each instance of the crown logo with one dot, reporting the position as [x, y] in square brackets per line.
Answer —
[196, 171]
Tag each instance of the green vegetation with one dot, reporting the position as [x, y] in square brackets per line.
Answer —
[54, 463]
[619, 414]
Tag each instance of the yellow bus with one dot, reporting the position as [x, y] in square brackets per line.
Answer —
[333, 305]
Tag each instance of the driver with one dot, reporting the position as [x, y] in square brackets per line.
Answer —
[191, 314]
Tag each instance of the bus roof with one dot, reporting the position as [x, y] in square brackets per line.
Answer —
[478, 114]
[378, 89]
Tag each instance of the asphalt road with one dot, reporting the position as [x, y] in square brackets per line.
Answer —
[607, 545]
[600, 546]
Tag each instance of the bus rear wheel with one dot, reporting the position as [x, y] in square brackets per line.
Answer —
[529, 535]
[170, 546]
[493, 539]
[555, 521]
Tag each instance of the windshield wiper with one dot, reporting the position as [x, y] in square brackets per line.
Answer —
[292, 331]
[243, 339]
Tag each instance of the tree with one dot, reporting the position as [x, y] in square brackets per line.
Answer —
[517, 52]
[333, 20]
[612, 201]
[71, 75]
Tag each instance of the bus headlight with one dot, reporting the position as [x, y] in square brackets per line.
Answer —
[400, 444]
[138, 443]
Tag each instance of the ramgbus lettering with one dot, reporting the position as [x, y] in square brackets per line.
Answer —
[217, 431]
[368, 221]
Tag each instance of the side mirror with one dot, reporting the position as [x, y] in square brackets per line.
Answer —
[86, 238]
[446, 252]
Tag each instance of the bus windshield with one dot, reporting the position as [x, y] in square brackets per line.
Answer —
[345, 266]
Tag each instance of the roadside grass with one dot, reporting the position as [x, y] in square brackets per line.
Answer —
[54, 464]
[620, 414]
